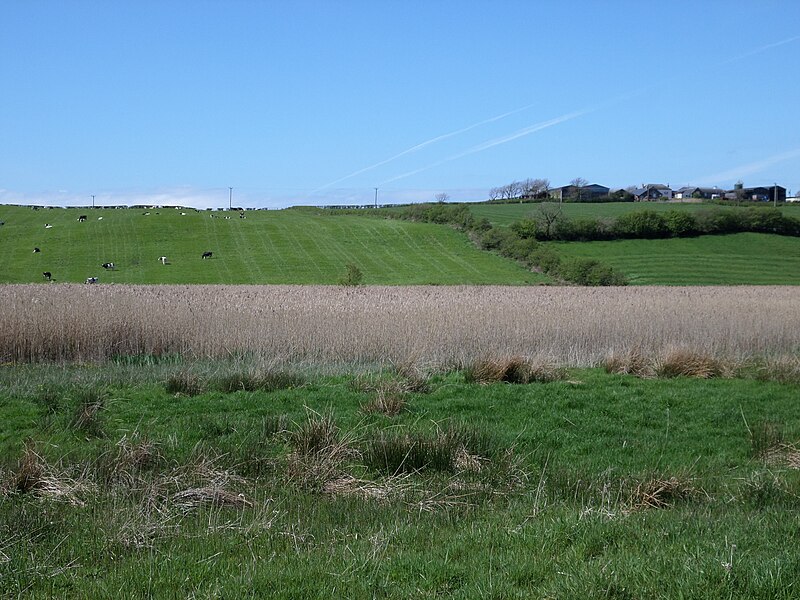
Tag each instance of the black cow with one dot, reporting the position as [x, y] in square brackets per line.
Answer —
[108, 266]
[207, 255]
[82, 218]
[35, 250]
[47, 275]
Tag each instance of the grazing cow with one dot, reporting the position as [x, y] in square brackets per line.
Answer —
[91, 280]
[207, 255]
[82, 218]
[47, 275]
[99, 218]
[48, 226]
[108, 266]
[163, 259]
[35, 250]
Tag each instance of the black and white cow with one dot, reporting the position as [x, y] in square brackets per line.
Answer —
[35, 250]
[207, 255]
[91, 280]
[109, 266]
[163, 259]
[82, 218]
[47, 275]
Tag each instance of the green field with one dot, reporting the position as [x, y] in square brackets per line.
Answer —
[293, 246]
[593, 486]
[505, 214]
[737, 259]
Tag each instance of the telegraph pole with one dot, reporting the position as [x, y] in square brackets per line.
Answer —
[92, 200]
[775, 194]
[376, 197]
[230, 198]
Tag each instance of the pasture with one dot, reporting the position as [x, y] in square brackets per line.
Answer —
[735, 259]
[293, 246]
[505, 214]
[162, 480]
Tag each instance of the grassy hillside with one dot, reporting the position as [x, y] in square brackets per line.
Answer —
[288, 246]
[505, 214]
[739, 259]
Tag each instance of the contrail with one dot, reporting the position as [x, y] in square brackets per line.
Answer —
[496, 142]
[760, 50]
[750, 168]
[438, 138]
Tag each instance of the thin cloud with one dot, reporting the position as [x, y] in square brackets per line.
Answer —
[421, 145]
[750, 168]
[495, 142]
[761, 49]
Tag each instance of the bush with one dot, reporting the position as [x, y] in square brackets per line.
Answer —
[681, 223]
[641, 224]
[352, 277]
[496, 238]
[586, 271]
[546, 259]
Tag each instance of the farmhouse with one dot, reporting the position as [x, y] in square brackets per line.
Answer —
[580, 193]
[699, 193]
[652, 191]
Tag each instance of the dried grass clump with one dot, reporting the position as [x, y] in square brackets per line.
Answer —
[661, 493]
[185, 383]
[366, 490]
[784, 369]
[320, 452]
[684, 362]
[515, 369]
[88, 417]
[35, 475]
[388, 403]
[632, 362]
[134, 454]
[193, 498]
[782, 455]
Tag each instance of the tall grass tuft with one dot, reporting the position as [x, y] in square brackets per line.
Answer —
[683, 362]
[320, 452]
[445, 450]
[515, 369]
[87, 417]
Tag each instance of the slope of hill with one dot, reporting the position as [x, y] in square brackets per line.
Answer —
[737, 259]
[287, 247]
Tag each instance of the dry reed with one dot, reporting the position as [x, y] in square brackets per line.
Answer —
[439, 326]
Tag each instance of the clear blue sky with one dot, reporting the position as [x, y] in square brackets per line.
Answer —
[292, 102]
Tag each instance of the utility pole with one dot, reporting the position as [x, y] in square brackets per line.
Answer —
[775, 194]
[92, 200]
[376, 197]
[230, 198]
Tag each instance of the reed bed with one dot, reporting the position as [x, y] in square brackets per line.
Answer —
[421, 325]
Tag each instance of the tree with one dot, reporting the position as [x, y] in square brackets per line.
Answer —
[579, 183]
[495, 193]
[442, 197]
[547, 217]
[534, 188]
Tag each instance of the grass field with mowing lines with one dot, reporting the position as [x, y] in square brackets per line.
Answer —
[737, 259]
[505, 214]
[275, 247]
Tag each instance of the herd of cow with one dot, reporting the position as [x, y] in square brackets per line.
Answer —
[108, 266]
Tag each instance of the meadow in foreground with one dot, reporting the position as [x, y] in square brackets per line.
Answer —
[176, 479]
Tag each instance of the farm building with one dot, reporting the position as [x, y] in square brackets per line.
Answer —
[583, 193]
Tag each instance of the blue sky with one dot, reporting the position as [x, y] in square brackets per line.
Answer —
[321, 102]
